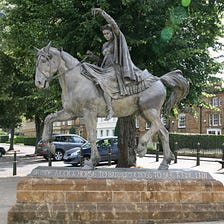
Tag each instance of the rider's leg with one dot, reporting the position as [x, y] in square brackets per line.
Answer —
[109, 106]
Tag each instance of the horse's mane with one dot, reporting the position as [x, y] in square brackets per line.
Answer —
[68, 58]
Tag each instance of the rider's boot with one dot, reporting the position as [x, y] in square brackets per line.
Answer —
[110, 114]
[109, 107]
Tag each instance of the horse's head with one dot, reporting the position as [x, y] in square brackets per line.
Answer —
[47, 65]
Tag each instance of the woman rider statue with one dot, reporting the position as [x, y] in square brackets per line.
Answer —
[116, 54]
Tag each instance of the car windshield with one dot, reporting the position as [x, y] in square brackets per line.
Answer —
[100, 142]
[86, 145]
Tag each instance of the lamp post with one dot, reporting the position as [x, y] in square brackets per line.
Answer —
[200, 118]
[198, 154]
[175, 152]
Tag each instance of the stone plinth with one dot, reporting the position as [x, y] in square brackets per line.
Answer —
[72, 196]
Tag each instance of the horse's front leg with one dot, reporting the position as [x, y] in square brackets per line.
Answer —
[48, 126]
[90, 118]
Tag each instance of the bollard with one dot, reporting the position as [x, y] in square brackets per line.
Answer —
[198, 155]
[175, 152]
[81, 156]
[49, 158]
[109, 155]
[157, 151]
[14, 164]
[222, 156]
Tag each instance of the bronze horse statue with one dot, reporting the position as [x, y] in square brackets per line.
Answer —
[82, 98]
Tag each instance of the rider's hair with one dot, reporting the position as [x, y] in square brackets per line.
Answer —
[106, 27]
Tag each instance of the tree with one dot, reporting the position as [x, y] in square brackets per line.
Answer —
[162, 36]
[11, 91]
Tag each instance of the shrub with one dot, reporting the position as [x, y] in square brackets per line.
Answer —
[19, 139]
[4, 138]
[190, 141]
[30, 141]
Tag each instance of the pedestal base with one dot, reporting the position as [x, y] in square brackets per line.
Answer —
[72, 196]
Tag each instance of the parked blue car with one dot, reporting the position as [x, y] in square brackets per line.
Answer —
[2, 151]
[104, 146]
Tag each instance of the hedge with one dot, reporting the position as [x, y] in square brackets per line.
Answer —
[191, 141]
[4, 138]
[25, 140]
[30, 141]
[19, 139]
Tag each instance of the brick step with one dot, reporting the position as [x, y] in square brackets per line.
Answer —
[110, 212]
[115, 200]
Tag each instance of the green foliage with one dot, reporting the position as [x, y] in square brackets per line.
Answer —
[2, 132]
[162, 36]
[190, 141]
[30, 141]
[72, 130]
[19, 139]
[4, 138]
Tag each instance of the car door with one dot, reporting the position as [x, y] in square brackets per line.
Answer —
[102, 147]
[114, 149]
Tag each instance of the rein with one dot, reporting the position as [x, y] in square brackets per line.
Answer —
[49, 79]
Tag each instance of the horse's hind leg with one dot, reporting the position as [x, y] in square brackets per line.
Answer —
[167, 154]
[152, 116]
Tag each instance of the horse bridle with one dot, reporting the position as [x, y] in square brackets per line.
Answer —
[48, 58]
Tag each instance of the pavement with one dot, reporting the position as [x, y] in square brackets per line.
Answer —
[27, 161]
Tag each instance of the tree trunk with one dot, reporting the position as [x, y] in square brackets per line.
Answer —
[126, 142]
[12, 132]
[39, 124]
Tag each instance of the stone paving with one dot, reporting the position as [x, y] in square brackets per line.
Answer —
[27, 161]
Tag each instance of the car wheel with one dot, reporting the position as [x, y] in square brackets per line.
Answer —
[0, 154]
[75, 164]
[58, 156]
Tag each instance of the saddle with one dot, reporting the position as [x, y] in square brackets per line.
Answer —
[111, 82]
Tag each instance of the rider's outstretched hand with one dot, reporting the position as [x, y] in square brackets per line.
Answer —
[96, 11]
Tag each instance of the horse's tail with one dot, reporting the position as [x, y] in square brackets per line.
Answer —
[178, 84]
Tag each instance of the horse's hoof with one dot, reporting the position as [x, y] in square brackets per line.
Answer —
[141, 152]
[88, 165]
[163, 166]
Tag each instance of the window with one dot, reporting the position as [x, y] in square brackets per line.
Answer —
[163, 119]
[69, 122]
[101, 133]
[148, 125]
[215, 119]
[181, 121]
[216, 101]
[107, 131]
[57, 124]
[213, 131]
[77, 140]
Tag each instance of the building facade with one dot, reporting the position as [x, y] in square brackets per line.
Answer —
[206, 120]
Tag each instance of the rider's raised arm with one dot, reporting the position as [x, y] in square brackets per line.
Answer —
[109, 19]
